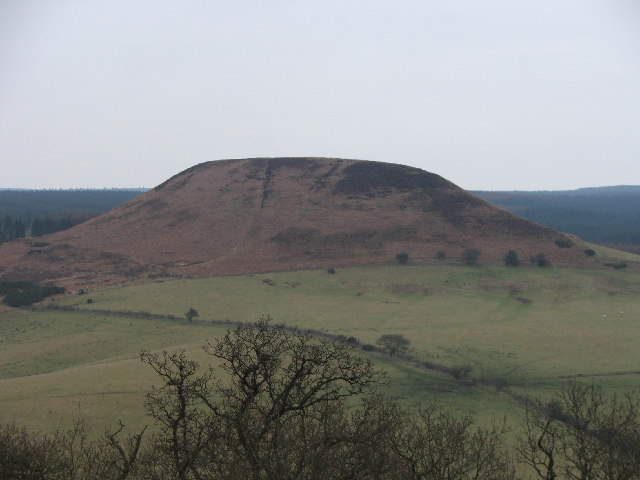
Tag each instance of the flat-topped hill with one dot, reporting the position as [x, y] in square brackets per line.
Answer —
[244, 216]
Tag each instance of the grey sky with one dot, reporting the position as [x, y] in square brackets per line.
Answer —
[492, 94]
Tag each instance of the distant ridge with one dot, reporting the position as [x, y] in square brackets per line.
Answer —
[232, 217]
[608, 190]
[27, 204]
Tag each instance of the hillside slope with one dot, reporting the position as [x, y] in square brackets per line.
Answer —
[256, 215]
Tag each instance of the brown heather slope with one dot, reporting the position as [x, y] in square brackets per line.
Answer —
[258, 215]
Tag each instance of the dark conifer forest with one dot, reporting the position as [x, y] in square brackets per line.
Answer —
[605, 215]
[40, 212]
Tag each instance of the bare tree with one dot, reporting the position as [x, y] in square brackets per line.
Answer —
[191, 314]
[67, 454]
[176, 407]
[583, 435]
[393, 343]
[427, 442]
[274, 415]
[538, 446]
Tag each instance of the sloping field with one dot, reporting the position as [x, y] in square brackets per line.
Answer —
[519, 330]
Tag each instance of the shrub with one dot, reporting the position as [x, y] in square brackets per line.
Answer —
[617, 266]
[191, 314]
[589, 252]
[402, 258]
[500, 383]
[89, 300]
[331, 270]
[511, 259]
[461, 371]
[470, 256]
[540, 260]
[564, 243]
[367, 347]
[393, 343]
[441, 255]
[524, 300]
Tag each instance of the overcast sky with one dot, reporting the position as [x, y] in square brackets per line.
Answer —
[490, 94]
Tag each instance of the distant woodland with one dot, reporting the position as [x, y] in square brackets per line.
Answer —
[606, 215]
[40, 212]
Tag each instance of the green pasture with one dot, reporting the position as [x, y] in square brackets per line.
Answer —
[525, 324]
[526, 330]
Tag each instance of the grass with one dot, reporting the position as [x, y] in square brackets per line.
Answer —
[575, 323]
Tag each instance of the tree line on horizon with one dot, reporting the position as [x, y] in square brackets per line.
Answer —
[282, 405]
[14, 228]
[607, 215]
[29, 204]
[41, 212]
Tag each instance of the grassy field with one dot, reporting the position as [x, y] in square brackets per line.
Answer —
[528, 329]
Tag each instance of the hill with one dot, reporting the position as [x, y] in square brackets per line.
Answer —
[605, 215]
[257, 215]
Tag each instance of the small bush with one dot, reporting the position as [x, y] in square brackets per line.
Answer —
[589, 252]
[461, 371]
[617, 266]
[441, 255]
[402, 258]
[367, 347]
[393, 343]
[500, 383]
[89, 300]
[511, 259]
[564, 243]
[540, 260]
[470, 256]
[191, 314]
[331, 270]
